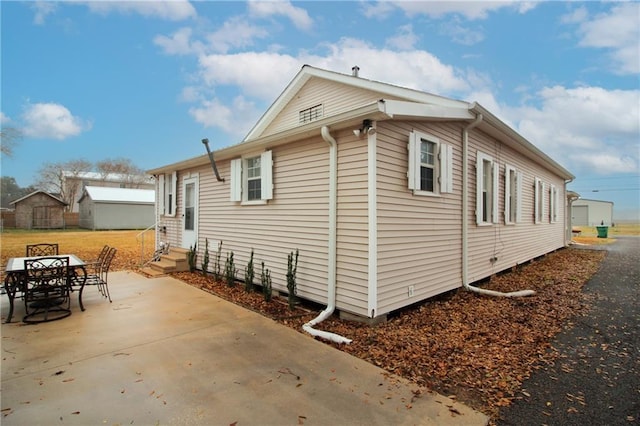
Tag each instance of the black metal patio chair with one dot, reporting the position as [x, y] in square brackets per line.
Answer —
[46, 289]
[41, 249]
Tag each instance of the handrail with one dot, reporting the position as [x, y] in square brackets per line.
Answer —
[141, 234]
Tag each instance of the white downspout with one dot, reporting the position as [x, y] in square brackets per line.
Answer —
[465, 221]
[331, 275]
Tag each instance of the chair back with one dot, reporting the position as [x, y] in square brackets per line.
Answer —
[106, 263]
[47, 289]
[42, 249]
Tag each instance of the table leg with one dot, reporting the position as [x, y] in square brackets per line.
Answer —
[11, 284]
[84, 281]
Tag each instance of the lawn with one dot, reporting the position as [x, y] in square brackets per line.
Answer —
[83, 243]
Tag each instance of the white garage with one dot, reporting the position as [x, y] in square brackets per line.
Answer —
[116, 208]
[591, 213]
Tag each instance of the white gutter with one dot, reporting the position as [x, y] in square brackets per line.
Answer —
[332, 260]
[465, 220]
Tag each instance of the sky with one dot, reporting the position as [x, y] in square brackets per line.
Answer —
[148, 80]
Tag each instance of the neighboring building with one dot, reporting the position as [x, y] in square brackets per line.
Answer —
[391, 195]
[74, 183]
[39, 210]
[116, 208]
[591, 213]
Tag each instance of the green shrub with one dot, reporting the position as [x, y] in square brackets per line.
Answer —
[217, 271]
[249, 274]
[230, 270]
[292, 267]
[192, 256]
[265, 278]
[205, 259]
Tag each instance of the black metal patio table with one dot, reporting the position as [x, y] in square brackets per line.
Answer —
[15, 278]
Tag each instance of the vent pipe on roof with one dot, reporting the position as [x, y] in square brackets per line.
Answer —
[212, 161]
[354, 71]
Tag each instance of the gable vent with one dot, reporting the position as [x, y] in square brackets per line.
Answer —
[311, 114]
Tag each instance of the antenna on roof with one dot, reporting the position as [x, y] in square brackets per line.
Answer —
[213, 163]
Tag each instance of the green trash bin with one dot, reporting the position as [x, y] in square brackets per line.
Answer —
[603, 231]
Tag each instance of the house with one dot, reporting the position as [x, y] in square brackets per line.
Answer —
[74, 183]
[116, 208]
[591, 212]
[39, 210]
[391, 195]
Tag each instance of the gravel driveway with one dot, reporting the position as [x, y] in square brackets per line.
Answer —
[596, 378]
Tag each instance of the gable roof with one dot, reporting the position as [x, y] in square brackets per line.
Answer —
[404, 103]
[119, 195]
[308, 72]
[39, 192]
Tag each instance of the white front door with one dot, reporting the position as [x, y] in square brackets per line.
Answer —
[189, 212]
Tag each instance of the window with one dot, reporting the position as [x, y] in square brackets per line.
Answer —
[251, 178]
[512, 195]
[167, 196]
[486, 189]
[553, 204]
[539, 201]
[430, 165]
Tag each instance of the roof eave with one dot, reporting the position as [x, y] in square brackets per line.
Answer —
[493, 126]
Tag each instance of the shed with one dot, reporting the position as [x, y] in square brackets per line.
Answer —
[391, 195]
[39, 210]
[586, 212]
[116, 208]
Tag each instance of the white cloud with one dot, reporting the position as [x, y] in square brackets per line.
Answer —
[42, 10]
[587, 129]
[179, 43]
[265, 74]
[405, 39]
[236, 32]
[236, 119]
[51, 121]
[460, 33]
[172, 10]
[473, 9]
[299, 17]
[4, 119]
[616, 30]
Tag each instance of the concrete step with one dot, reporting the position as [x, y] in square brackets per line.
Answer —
[164, 266]
[152, 273]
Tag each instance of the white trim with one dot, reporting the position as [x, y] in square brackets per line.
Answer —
[266, 175]
[372, 293]
[442, 165]
[492, 191]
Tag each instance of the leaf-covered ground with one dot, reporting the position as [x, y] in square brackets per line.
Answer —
[475, 348]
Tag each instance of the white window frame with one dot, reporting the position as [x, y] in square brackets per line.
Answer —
[512, 195]
[553, 204]
[539, 201]
[442, 165]
[485, 164]
[167, 197]
[239, 184]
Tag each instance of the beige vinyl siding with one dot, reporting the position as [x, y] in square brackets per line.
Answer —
[520, 242]
[352, 224]
[296, 218]
[334, 97]
[418, 236]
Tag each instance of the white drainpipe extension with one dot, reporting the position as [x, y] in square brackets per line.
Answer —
[465, 221]
[331, 279]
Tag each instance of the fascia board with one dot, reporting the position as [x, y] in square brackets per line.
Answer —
[373, 111]
[412, 110]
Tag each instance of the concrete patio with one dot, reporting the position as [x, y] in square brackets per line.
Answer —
[165, 352]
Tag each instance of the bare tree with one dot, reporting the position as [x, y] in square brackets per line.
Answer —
[9, 137]
[62, 179]
[130, 174]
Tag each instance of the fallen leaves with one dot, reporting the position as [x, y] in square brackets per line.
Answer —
[477, 347]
